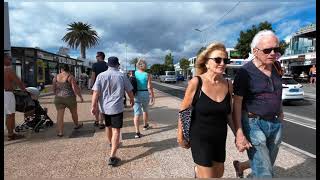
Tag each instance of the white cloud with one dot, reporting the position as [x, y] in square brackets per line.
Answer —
[151, 29]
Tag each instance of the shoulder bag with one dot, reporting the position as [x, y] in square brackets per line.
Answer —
[186, 114]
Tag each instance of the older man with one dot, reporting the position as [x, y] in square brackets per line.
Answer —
[257, 107]
[109, 89]
[10, 82]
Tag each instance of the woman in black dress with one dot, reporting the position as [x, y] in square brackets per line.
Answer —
[212, 112]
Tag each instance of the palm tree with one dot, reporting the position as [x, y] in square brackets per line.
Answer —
[134, 62]
[81, 34]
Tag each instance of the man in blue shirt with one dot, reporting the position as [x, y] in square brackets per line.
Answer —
[108, 92]
[97, 68]
[257, 109]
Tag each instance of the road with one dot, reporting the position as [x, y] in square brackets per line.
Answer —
[300, 119]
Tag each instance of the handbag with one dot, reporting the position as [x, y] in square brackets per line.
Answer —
[186, 114]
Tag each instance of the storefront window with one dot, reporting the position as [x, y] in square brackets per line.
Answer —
[29, 74]
[51, 71]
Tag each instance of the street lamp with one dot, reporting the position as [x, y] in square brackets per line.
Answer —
[201, 31]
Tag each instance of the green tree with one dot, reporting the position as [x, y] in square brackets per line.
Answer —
[200, 50]
[244, 41]
[157, 69]
[184, 64]
[168, 62]
[134, 62]
[283, 46]
[81, 34]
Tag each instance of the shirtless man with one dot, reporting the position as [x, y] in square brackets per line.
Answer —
[10, 81]
[313, 75]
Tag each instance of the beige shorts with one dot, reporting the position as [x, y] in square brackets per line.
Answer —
[9, 102]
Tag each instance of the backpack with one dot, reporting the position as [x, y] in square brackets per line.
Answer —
[134, 84]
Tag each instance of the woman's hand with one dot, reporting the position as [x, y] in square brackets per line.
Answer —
[152, 100]
[182, 143]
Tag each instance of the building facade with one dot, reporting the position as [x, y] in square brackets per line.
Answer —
[301, 53]
[35, 66]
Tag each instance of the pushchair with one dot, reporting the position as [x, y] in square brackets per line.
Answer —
[35, 117]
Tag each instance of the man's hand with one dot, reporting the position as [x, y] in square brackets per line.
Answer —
[94, 110]
[131, 102]
[242, 143]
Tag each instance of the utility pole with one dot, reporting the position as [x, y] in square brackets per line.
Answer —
[126, 57]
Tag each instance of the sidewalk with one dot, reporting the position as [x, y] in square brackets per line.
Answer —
[155, 155]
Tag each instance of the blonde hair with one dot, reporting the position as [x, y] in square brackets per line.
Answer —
[141, 64]
[202, 60]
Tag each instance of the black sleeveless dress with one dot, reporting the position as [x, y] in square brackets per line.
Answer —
[208, 130]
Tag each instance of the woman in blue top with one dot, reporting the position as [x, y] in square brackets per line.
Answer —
[141, 99]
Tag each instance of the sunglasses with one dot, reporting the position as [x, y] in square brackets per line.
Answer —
[219, 59]
[269, 50]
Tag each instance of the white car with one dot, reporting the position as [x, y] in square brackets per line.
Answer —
[291, 89]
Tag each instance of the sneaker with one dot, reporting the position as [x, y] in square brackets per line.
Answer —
[113, 161]
[146, 127]
[138, 135]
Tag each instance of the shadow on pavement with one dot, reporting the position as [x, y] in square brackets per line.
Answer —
[154, 147]
[49, 133]
[130, 135]
[305, 169]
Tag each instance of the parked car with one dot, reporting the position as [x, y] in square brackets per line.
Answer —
[170, 76]
[291, 89]
[180, 77]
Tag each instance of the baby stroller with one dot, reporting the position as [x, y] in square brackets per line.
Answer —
[35, 117]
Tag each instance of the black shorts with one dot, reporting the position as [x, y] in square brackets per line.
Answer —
[115, 120]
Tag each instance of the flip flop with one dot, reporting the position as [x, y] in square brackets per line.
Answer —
[79, 126]
[237, 169]
[60, 135]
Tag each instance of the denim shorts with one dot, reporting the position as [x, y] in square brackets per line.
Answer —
[265, 137]
[141, 102]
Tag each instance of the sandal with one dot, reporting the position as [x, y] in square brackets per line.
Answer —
[237, 169]
[60, 135]
[78, 126]
[96, 123]
[15, 137]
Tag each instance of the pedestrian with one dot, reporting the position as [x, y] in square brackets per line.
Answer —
[65, 89]
[143, 96]
[211, 112]
[313, 74]
[97, 68]
[107, 96]
[10, 82]
[257, 110]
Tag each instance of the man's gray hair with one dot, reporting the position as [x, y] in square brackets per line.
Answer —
[257, 38]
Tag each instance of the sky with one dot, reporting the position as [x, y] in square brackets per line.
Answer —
[150, 30]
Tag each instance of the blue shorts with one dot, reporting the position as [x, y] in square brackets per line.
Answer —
[141, 102]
